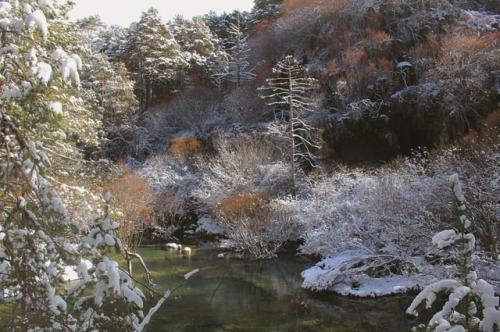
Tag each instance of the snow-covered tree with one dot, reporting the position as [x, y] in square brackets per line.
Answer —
[472, 304]
[40, 109]
[265, 9]
[111, 41]
[238, 71]
[89, 27]
[200, 47]
[219, 23]
[152, 55]
[116, 103]
[291, 89]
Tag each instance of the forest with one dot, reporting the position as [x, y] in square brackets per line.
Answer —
[346, 129]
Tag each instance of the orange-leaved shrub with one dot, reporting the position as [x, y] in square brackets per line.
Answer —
[181, 147]
[253, 206]
[257, 226]
[130, 205]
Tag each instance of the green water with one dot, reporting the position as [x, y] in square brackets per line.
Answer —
[238, 295]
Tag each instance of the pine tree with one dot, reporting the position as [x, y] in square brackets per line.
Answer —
[152, 55]
[111, 41]
[43, 120]
[472, 304]
[292, 90]
[265, 9]
[201, 49]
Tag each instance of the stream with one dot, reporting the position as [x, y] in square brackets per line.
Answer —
[230, 294]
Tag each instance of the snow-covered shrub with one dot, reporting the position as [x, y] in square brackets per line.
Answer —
[390, 210]
[256, 224]
[244, 164]
[472, 304]
[112, 286]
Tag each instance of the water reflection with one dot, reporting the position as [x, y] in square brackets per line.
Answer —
[237, 295]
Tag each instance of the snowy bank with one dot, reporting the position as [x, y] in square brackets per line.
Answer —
[356, 273]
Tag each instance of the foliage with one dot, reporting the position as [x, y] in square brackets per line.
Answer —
[237, 70]
[472, 304]
[152, 55]
[256, 225]
[43, 120]
[181, 147]
[131, 207]
[200, 48]
[264, 10]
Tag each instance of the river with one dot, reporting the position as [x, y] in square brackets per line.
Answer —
[231, 294]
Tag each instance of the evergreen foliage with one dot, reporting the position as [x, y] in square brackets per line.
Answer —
[43, 118]
[153, 56]
[472, 304]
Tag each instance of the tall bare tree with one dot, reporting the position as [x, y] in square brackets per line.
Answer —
[291, 89]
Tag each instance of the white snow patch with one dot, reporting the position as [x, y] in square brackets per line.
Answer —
[5, 7]
[43, 71]
[38, 20]
[328, 275]
[69, 71]
[56, 107]
[210, 226]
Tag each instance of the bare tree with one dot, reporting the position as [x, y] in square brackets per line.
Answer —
[291, 89]
[237, 70]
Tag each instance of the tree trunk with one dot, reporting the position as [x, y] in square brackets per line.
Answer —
[292, 131]
[149, 92]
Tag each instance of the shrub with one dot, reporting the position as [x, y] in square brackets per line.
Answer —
[171, 213]
[256, 225]
[479, 161]
[182, 147]
[131, 206]
[472, 304]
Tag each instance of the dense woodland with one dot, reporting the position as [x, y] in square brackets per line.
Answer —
[331, 125]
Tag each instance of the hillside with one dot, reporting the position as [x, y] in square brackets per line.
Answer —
[346, 129]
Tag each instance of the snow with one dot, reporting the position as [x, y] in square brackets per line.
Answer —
[109, 240]
[11, 91]
[46, 5]
[58, 54]
[480, 20]
[444, 238]
[329, 274]
[190, 274]
[151, 312]
[69, 71]
[5, 7]
[37, 19]
[403, 65]
[56, 107]
[43, 71]
[131, 296]
[83, 270]
[210, 226]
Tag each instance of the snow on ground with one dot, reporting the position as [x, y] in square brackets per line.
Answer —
[209, 226]
[343, 274]
[481, 20]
